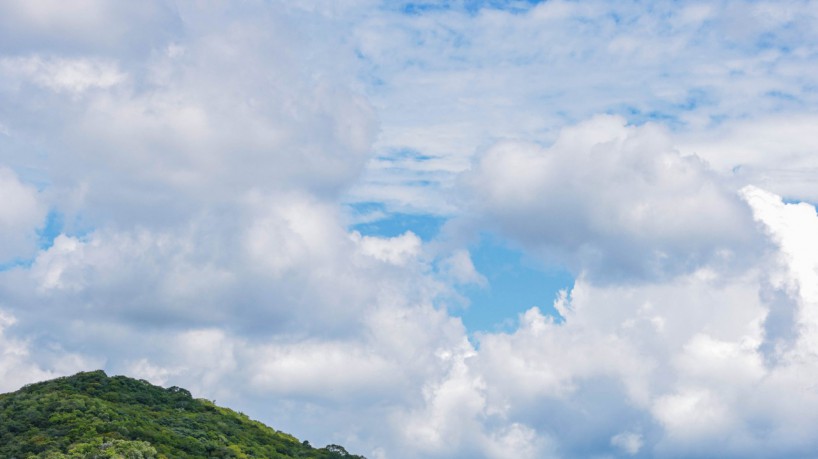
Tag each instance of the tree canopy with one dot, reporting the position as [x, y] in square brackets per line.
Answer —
[91, 415]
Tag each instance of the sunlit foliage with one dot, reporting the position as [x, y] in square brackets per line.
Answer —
[91, 415]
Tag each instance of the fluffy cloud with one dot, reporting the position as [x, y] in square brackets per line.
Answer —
[658, 369]
[615, 200]
[196, 171]
[159, 137]
[17, 367]
[460, 77]
[774, 152]
[236, 326]
[22, 211]
[792, 227]
[198, 156]
[456, 420]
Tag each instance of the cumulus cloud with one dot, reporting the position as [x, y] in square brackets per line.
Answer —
[654, 368]
[301, 369]
[615, 200]
[396, 250]
[14, 365]
[198, 154]
[456, 419]
[161, 136]
[453, 79]
[792, 227]
[661, 368]
[22, 211]
[774, 152]
[198, 200]
[278, 262]
[18, 367]
[680, 362]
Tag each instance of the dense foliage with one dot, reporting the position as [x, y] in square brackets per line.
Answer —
[91, 415]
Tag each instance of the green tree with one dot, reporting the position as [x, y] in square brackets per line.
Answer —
[91, 415]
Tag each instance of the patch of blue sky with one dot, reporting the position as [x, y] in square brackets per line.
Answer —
[667, 113]
[787, 200]
[416, 8]
[404, 154]
[471, 7]
[778, 40]
[781, 100]
[52, 227]
[696, 97]
[637, 116]
[516, 283]
[615, 17]
[391, 224]
[778, 94]
[16, 263]
[514, 6]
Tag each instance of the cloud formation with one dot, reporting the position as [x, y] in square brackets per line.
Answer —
[451, 81]
[613, 200]
[22, 211]
[178, 191]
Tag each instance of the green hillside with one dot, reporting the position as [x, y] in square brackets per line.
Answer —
[90, 415]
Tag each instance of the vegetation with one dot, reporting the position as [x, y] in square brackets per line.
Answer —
[91, 415]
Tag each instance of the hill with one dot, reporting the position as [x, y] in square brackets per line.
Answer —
[91, 415]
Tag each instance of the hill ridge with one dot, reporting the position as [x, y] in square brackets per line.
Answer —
[92, 415]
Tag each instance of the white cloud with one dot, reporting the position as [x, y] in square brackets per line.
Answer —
[680, 362]
[144, 369]
[693, 415]
[396, 250]
[302, 369]
[774, 152]
[448, 83]
[15, 368]
[661, 358]
[198, 155]
[459, 268]
[22, 211]
[615, 200]
[70, 75]
[18, 366]
[53, 268]
[793, 228]
[456, 420]
[161, 137]
[629, 442]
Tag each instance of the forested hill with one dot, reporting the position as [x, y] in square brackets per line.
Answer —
[90, 415]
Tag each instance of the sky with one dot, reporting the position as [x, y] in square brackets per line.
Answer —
[432, 229]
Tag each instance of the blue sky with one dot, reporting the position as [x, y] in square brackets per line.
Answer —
[467, 229]
[515, 281]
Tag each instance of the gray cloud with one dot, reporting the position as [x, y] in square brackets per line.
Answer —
[614, 201]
